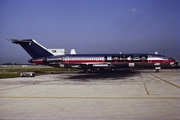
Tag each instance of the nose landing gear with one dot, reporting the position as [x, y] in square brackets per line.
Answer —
[157, 69]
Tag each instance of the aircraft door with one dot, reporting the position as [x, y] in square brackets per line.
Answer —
[150, 59]
[66, 59]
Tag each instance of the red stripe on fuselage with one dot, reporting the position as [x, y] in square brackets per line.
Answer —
[160, 61]
[126, 61]
[81, 61]
[38, 61]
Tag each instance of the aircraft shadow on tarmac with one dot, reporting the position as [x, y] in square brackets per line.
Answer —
[102, 76]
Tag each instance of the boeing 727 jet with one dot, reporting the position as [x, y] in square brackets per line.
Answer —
[90, 62]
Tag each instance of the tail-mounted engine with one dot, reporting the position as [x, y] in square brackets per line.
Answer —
[45, 60]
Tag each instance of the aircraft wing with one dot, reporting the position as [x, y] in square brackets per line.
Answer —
[94, 64]
[91, 64]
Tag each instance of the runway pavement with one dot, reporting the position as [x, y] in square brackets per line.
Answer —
[135, 95]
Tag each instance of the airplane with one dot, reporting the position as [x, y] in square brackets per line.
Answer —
[91, 62]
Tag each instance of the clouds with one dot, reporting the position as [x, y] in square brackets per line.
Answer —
[141, 12]
[133, 10]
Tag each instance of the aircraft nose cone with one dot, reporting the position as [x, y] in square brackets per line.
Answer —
[173, 62]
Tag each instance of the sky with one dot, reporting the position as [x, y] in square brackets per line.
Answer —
[90, 26]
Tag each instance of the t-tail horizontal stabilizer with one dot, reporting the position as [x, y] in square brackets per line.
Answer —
[33, 48]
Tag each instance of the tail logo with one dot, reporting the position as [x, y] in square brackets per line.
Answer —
[53, 51]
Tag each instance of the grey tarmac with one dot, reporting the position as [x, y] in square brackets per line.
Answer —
[139, 95]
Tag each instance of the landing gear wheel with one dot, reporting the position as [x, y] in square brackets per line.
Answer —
[157, 70]
[87, 70]
[113, 70]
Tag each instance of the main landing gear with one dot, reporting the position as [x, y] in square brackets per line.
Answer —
[87, 70]
[157, 69]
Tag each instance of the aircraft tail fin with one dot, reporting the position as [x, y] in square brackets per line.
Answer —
[33, 48]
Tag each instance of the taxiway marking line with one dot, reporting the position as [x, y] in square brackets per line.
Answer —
[145, 88]
[96, 97]
[147, 92]
[14, 87]
[165, 80]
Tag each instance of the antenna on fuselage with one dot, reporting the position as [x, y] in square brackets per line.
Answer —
[156, 53]
[73, 52]
[164, 53]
